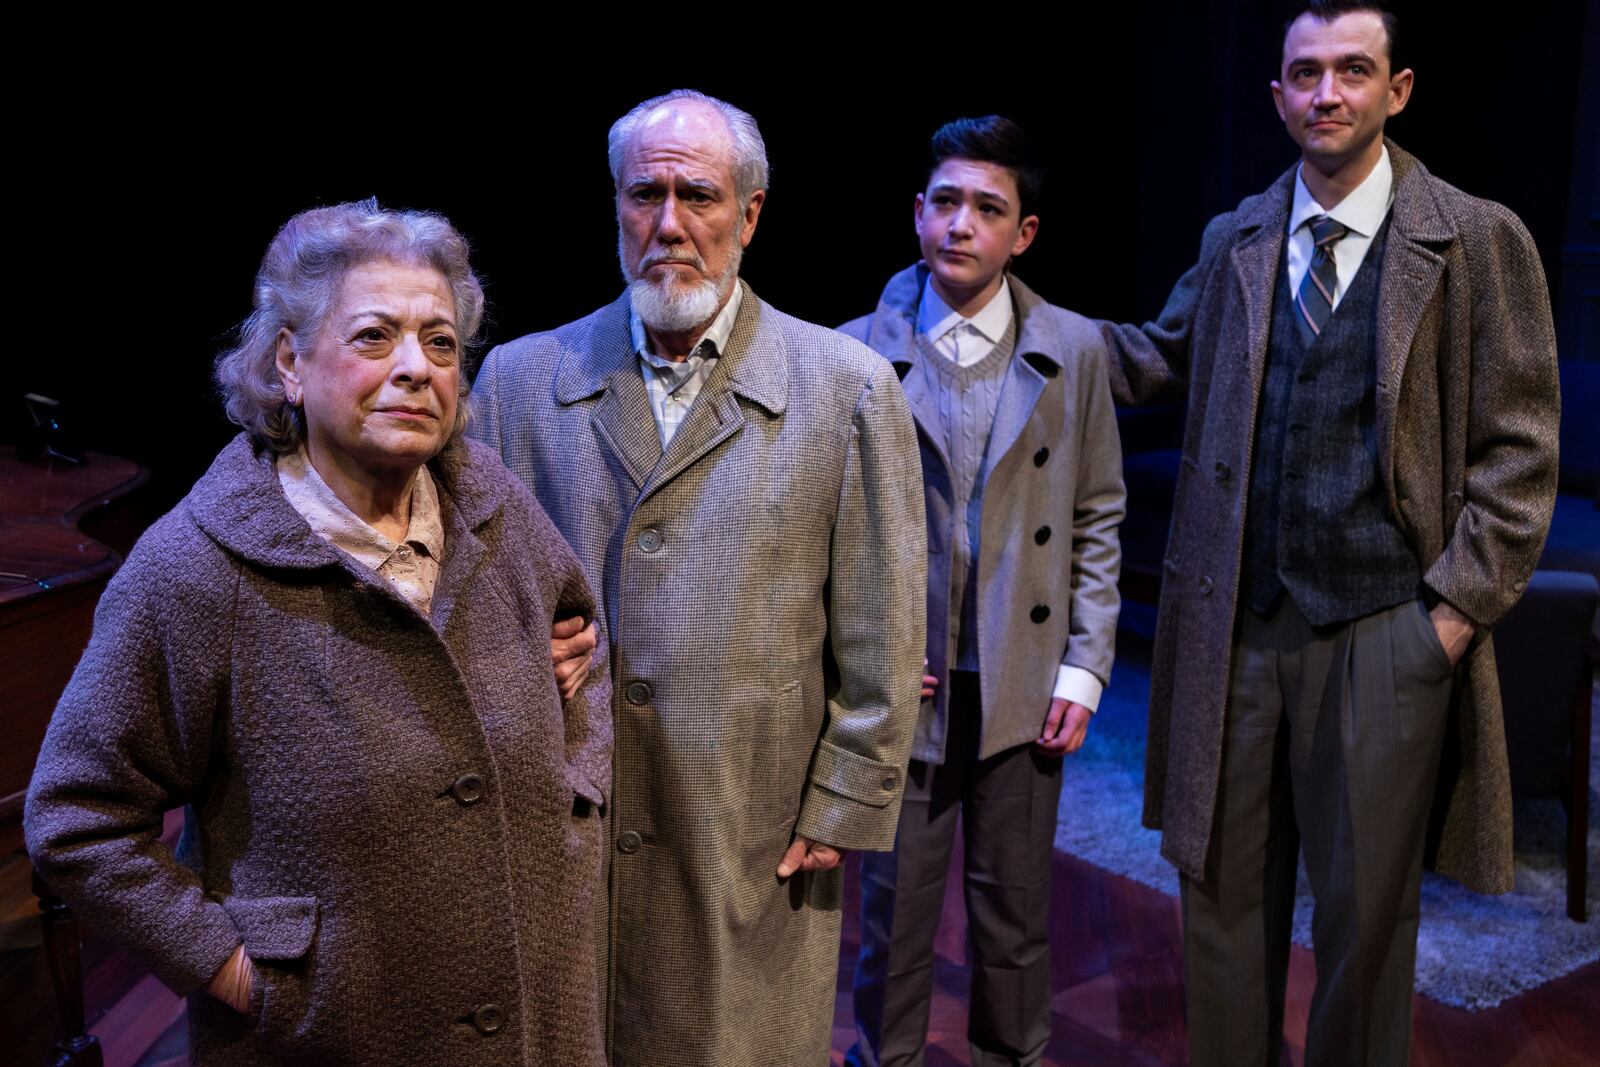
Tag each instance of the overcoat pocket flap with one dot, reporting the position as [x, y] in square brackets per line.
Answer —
[849, 774]
[581, 786]
[274, 928]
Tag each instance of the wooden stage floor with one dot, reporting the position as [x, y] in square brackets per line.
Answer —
[1118, 993]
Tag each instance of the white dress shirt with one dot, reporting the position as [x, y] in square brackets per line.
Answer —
[1361, 213]
[964, 341]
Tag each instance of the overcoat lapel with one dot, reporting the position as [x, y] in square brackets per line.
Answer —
[893, 333]
[1256, 260]
[925, 414]
[622, 420]
[754, 366]
[1412, 269]
[626, 425]
[714, 417]
[1018, 397]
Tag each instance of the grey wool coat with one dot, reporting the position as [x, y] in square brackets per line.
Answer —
[1467, 415]
[763, 580]
[1048, 553]
[384, 808]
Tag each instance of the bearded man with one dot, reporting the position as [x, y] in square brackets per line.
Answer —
[744, 491]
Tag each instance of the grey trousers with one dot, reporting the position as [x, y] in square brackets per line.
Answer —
[1332, 742]
[1008, 806]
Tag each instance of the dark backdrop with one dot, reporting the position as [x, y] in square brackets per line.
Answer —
[147, 207]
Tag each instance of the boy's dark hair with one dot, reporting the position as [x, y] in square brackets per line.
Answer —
[991, 139]
[1328, 10]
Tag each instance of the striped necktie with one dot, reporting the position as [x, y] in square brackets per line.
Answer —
[1315, 298]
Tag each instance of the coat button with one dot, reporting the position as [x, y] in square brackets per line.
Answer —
[889, 781]
[628, 842]
[1041, 535]
[1205, 585]
[1040, 456]
[468, 789]
[487, 1019]
[1039, 613]
[638, 693]
[650, 540]
[1224, 472]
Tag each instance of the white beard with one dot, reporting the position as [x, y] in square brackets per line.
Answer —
[670, 305]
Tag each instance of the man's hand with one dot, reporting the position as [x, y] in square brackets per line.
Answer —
[1064, 727]
[929, 682]
[1454, 630]
[807, 855]
[572, 646]
[232, 982]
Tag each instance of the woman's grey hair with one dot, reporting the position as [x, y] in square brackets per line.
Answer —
[749, 150]
[298, 284]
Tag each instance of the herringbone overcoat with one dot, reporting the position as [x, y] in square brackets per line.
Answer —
[1467, 414]
[763, 583]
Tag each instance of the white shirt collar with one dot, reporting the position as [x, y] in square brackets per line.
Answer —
[935, 319]
[1361, 212]
[717, 333]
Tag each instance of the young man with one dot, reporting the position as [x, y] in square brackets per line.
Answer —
[1368, 473]
[1022, 475]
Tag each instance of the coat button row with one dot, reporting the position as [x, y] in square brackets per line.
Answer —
[1041, 535]
[468, 789]
[650, 540]
[628, 842]
[488, 1019]
[638, 693]
[1040, 612]
[1040, 456]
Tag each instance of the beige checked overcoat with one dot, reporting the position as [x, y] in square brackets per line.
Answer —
[762, 581]
[1467, 416]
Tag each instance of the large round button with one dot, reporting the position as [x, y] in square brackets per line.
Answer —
[889, 781]
[628, 842]
[488, 1019]
[1206, 585]
[1040, 456]
[1040, 612]
[1224, 472]
[468, 789]
[1041, 535]
[638, 693]
[650, 541]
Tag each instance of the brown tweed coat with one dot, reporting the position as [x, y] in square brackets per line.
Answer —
[325, 737]
[1467, 416]
[764, 582]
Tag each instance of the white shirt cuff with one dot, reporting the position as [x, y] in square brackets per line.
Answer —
[1079, 686]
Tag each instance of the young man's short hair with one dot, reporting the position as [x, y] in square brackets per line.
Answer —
[991, 139]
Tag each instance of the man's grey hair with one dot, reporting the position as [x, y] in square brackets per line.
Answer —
[749, 150]
[298, 284]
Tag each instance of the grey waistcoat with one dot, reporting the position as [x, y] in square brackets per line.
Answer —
[1317, 525]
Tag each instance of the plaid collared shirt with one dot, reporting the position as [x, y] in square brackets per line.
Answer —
[674, 386]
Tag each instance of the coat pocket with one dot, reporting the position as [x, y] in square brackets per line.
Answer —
[278, 933]
[274, 928]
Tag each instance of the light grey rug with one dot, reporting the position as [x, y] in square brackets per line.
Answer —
[1473, 951]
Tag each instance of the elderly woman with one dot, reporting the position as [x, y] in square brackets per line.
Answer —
[335, 651]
